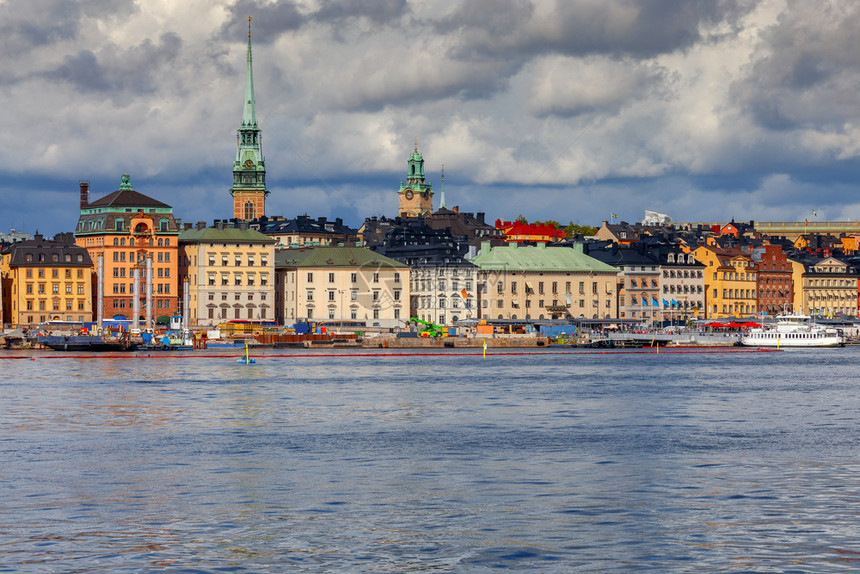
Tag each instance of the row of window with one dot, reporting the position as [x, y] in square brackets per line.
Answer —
[353, 294]
[161, 257]
[426, 285]
[31, 305]
[162, 242]
[55, 288]
[353, 314]
[353, 277]
[251, 259]
[683, 289]
[250, 279]
[162, 272]
[55, 273]
[55, 258]
[685, 274]
[529, 289]
[160, 288]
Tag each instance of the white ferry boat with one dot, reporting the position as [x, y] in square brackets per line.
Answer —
[793, 330]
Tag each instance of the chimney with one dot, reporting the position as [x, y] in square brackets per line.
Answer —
[201, 225]
[480, 216]
[85, 194]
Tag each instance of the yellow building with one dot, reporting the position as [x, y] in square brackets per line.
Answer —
[230, 274]
[730, 282]
[46, 280]
[826, 287]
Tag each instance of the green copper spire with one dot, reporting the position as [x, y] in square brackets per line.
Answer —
[442, 191]
[249, 167]
[249, 115]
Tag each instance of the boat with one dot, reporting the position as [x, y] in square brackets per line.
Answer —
[793, 330]
[87, 343]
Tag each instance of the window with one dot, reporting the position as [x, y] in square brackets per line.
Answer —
[331, 295]
[353, 277]
[310, 294]
[375, 295]
[376, 313]
[238, 260]
[376, 277]
[331, 277]
[353, 295]
[397, 295]
[397, 277]
[310, 277]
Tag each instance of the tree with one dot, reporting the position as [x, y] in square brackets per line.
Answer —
[573, 228]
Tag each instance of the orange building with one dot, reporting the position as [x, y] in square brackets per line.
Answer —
[137, 237]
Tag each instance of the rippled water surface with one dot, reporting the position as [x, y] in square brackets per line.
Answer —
[546, 462]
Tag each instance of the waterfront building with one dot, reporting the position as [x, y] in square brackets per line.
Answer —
[442, 283]
[249, 167]
[341, 284]
[730, 281]
[775, 286]
[657, 281]
[46, 280]
[824, 286]
[137, 236]
[304, 231]
[229, 273]
[416, 195]
[540, 282]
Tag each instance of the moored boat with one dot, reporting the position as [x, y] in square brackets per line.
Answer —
[88, 343]
[793, 330]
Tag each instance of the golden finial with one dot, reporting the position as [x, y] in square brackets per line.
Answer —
[416, 144]
[443, 173]
[249, 26]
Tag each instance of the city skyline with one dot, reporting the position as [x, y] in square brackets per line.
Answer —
[567, 111]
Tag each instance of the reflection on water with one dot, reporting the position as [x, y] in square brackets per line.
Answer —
[432, 463]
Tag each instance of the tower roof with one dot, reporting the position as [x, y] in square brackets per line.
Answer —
[249, 113]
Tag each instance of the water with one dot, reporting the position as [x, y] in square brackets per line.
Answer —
[725, 462]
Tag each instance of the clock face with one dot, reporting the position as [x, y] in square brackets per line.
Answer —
[249, 164]
[408, 194]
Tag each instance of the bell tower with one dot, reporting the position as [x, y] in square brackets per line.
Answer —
[249, 168]
[416, 195]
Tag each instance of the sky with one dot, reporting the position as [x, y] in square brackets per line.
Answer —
[570, 110]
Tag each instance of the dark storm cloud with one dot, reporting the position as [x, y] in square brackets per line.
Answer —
[115, 70]
[377, 11]
[25, 24]
[807, 69]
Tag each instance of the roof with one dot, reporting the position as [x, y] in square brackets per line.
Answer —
[333, 257]
[539, 258]
[227, 235]
[126, 198]
[43, 251]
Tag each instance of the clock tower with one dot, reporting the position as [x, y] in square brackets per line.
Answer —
[416, 195]
[249, 168]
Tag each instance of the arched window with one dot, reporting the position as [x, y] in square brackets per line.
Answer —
[122, 241]
[119, 225]
[116, 241]
[160, 242]
[249, 210]
[167, 242]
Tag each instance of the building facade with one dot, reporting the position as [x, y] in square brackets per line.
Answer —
[229, 273]
[828, 287]
[45, 280]
[137, 236]
[731, 282]
[249, 168]
[341, 284]
[540, 282]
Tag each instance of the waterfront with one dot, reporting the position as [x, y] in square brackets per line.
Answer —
[542, 462]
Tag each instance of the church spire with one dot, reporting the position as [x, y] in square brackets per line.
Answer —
[442, 191]
[249, 168]
[249, 115]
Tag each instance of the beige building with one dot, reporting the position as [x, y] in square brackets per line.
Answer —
[540, 282]
[341, 284]
[230, 274]
[827, 287]
[46, 280]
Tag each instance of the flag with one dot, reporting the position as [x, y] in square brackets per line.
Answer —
[644, 300]
[665, 303]
[674, 303]
[654, 301]
[813, 212]
[464, 294]
[614, 215]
